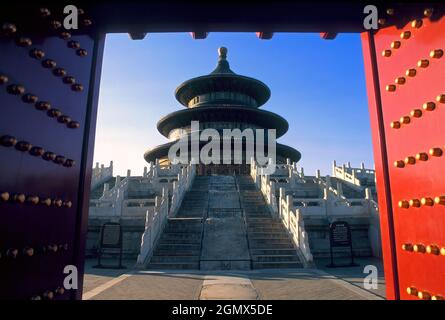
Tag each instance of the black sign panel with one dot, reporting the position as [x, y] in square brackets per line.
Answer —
[110, 238]
[340, 234]
[111, 235]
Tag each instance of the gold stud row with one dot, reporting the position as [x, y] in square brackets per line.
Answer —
[25, 146]
[30, 98]
[34, 200]
[405, 35]
[421, 156]
[428, 12]
[49, 294]
[13, 253]
[422, 202]
[412, 72]
[8, 28]
[421, 248]
[418, 113]
[423, 294]
[39, 54]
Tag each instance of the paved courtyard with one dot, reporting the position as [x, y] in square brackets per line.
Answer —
[300, 284]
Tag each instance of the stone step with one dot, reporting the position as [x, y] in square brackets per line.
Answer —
[253, 215]
[180, 226]
[190, 211]
[192, 215]
[264, 220]
[193, 207]
[270, 240]
[178, 246]
[254, 203]
[183, 230]
[179, 220]
[268, 235]
[254, 206]
[164, 240]
[174, 259]
[190, 201]
[265, 229]
[273, 246]
[274, 251]
[264, 211]
[277, 265]
[256, 243]
[266, 224]
[160, 252]
[184, 213]
[181, 235]
[256, 215]
[174, 265]
[192, 225]
[195, 203]
[275, 258]
[267, 220]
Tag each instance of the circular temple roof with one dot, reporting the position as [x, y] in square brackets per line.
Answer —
[161, 151]
[262, 118]
[222, 79]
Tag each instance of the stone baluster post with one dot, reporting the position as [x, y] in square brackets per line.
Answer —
[106, 188]
[289, 207]
[368, 194]
[281, 198]
[339, 188]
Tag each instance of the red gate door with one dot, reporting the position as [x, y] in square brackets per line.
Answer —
[405, 74]
[48, 100]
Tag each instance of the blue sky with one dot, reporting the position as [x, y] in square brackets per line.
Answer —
[317, 85]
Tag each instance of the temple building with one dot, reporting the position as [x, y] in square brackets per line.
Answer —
[231, 215]
[223, 100]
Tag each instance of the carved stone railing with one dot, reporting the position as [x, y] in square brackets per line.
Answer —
[154, 225]
[269, 192]
[100, 174]
[156, 221]
[353, 175]
[185, 180]
[331, 206]
[292, 220]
